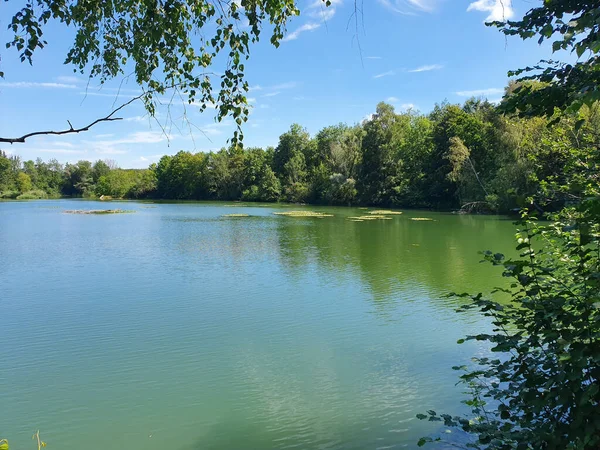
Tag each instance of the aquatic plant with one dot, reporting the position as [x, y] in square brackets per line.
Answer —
[235, 215]
[303, 214]
[41, 444]
[370, 217]
[98, 211]
[422, 219]
[386, 212]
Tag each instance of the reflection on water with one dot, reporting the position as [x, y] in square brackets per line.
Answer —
[177, 328]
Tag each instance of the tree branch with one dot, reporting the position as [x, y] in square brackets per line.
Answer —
[108, 118]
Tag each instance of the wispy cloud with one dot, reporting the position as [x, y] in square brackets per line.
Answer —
[67, 151]
[68, 79]
[496, 9]
[104, 94]
[136, 119]
[319, 13]
[410, 7]
[319, 10]
[427, 68]
[480, 92]
[373, 57]
[287, 85]
[34, 84]
[311, 26]
[385, 74]
[403, 106]
[272, 94]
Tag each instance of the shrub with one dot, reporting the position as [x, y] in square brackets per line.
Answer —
[32, 195]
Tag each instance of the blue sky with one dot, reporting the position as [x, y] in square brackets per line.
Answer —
[413, 54]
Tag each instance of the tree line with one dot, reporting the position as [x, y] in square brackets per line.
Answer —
[471, 157]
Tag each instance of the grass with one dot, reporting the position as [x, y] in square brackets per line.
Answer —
[422, 219]
[98, 211]
[235, 215]
[33, 195]
[369, 217]
[303, 214]
[385, 212]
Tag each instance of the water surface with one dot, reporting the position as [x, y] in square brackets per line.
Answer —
[175, 328]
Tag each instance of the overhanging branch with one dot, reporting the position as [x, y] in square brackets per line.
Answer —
[71, 129]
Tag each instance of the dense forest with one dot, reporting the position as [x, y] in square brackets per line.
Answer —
[470, 157]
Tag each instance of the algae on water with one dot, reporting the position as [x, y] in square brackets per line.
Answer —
[318, 215]
[98, 211]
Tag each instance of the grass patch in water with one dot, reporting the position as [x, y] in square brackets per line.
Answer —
[318, 215]
[422, 219]
[385, 212]
[235, 215]
[98, 211]
[370, 217]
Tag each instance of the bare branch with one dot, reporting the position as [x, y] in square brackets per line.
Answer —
[108, 118]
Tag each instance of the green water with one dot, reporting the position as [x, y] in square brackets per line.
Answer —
[174, 328]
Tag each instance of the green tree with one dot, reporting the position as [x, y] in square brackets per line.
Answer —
[23, 182]
[99, 169]
[572, 25]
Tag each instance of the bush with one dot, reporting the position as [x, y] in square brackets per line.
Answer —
[9, 194]
[542, 391]
[36, 194]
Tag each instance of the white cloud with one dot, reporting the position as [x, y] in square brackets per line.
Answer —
[272, 94]
[306, 27]
[257, 87]
[410, 7]
[497, 9]
[68, 79]
[404, 106]
[318, 10]
[427, 68]
[287, 85]
[142, 158]
[480, 92]
[61, 144]
[373, 57]
[385, 74]
[33, 84]
[368, 117]
[299, 97]
[104, 136]
[136, 119]
[102, 94]
[110, 151]
[57, 150]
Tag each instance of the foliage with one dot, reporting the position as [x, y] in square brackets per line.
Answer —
[170, 45]
[572, 25]
[541, 392]
[33, 195]
[23, 182]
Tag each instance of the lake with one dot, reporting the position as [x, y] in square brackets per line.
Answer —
[176, 328]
